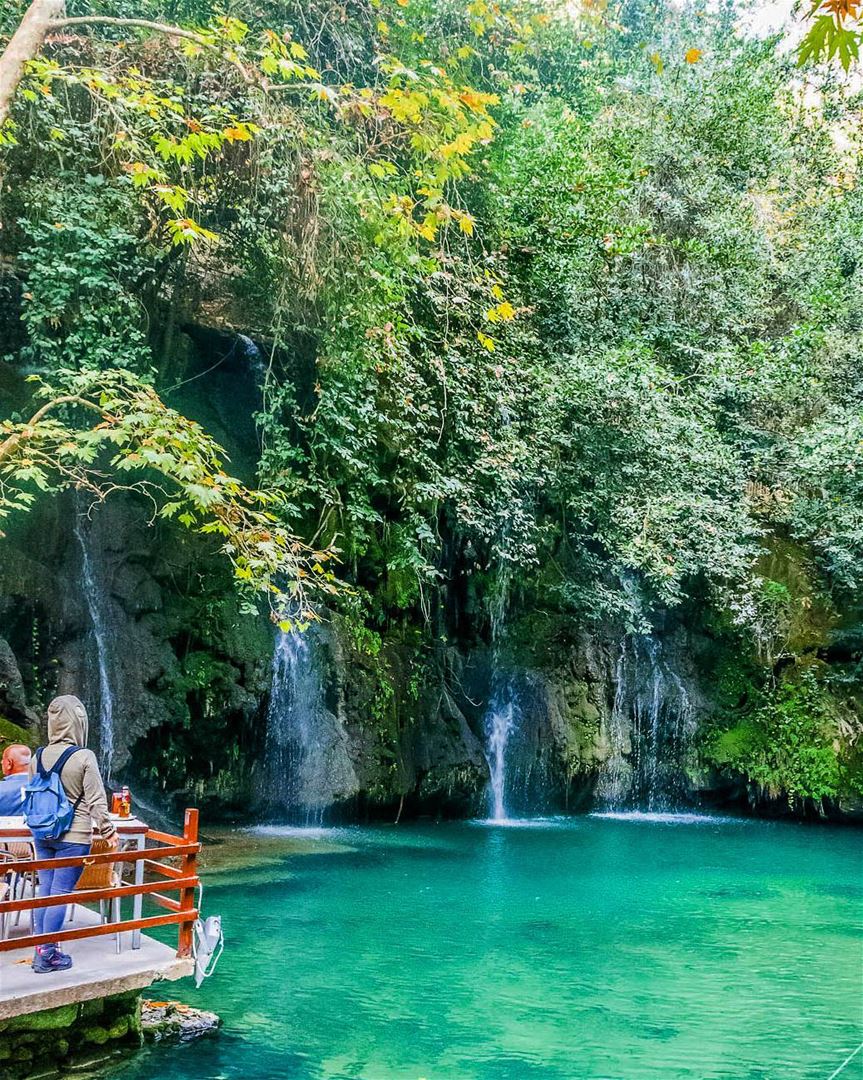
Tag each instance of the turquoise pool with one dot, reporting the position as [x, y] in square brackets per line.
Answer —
[591, 948]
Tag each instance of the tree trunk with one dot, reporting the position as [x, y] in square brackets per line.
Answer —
[23, 46]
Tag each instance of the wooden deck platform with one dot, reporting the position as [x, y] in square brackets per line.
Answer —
[98, 970]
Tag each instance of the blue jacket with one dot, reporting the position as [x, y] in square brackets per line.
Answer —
[12, 794]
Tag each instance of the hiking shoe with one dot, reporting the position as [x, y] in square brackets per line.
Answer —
[45, 960]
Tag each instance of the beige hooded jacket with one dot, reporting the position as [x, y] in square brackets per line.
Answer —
[67, 726]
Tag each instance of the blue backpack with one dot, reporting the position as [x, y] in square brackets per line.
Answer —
[47, 809]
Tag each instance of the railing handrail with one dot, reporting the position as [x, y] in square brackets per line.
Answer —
[99, 930]
[88, 896]
[183, 880]
[21, 865]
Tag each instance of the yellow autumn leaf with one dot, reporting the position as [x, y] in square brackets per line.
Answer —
[428, 229]
[477, 101]
[693, 56]
[462, 144]
[466, 224]
[656, 60]
[485, 341]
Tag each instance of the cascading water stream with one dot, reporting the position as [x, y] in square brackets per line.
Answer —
[94, 595]
[296, 740]
[503, 715]
[648, 732]
[254, 356]
[499, 726]
[614, 780]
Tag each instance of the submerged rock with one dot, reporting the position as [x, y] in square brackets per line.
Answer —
[173, 1020]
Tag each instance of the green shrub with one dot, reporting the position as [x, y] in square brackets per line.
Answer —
[788, 745]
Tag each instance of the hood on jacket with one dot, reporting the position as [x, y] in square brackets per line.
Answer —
[67, 721]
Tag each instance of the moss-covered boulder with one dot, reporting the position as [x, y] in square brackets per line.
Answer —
[12, 733]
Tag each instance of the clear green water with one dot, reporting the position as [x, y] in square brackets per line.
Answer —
[585, 949]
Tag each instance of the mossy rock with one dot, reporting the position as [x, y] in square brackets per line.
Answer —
[90, 1010]
[135, 1020]
[12, 733]
[582, 711]
[119, 1029]
[95, 1034]
[790, 579]
[63, 1016]
[123, 1003]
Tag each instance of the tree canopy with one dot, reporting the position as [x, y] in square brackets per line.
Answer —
[566, 298]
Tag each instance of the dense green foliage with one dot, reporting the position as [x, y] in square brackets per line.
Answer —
[569, 302]
[786, 743]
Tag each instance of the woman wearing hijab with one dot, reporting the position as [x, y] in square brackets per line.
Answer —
[82, 782]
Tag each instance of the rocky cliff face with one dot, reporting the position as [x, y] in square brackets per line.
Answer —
[198, 710]
[188, 697]
[93, 604]
[201, 707]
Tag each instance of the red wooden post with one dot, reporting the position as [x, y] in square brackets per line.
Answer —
[187, 896]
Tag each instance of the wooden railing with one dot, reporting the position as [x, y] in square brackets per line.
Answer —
[149, 860]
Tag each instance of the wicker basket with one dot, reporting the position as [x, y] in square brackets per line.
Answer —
[100, 876]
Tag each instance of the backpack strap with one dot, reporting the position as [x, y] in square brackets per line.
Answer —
[57, 767]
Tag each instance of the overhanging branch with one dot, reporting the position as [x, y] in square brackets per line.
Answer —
[45, 16]
[27, 430]
[142, 24]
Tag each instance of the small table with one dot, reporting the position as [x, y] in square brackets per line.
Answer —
[130, 829]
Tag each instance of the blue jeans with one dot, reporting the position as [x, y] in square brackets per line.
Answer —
[54, 882]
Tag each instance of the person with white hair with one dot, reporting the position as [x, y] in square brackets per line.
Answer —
[15, 765]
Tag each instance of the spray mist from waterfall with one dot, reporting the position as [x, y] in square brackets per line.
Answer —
[94, 598]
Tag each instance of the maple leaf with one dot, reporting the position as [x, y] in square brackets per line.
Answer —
[693, 56]
[485, 341]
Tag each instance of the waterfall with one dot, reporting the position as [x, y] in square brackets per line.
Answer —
[649, 730]
[502, 721]
[297, 737]
[615, 779]
[503, 716]
[94, 597]
[254, 356]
